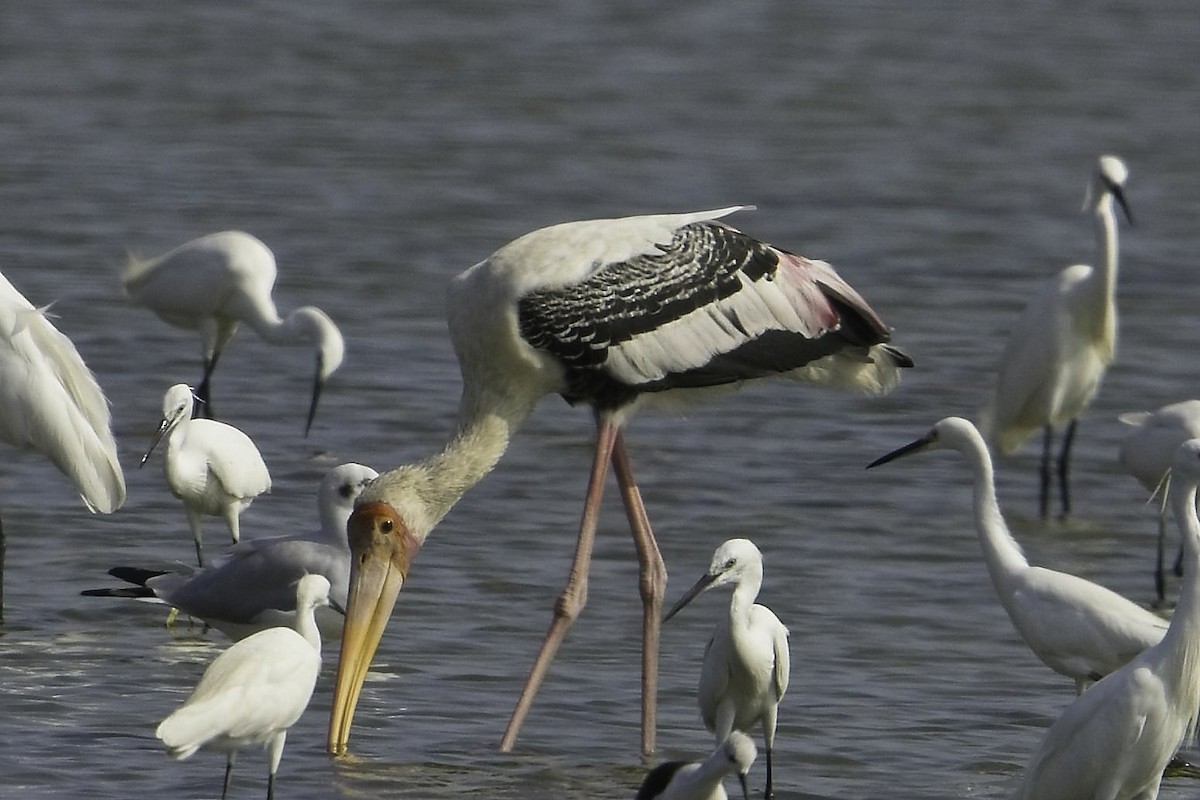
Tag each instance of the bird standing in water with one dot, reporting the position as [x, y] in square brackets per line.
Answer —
[613, 314]
[1061, 347]
[747, 663]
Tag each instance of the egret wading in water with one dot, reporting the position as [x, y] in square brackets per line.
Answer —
[1061, 347]
[747, 663]
[254, 691]
[1077, 628]
[214, 468]
[215, 283]
[1116, 739]
[50, 402]
[684, 780]
[253, 587]
[606, 313]
[1146, 453]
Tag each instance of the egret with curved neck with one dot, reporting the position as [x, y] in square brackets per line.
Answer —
[1077, 628]
[217, 282]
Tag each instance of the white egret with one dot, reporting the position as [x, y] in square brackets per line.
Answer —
[747, 663]
[253, 587]
[605, 313]
[1077, 628]
[214, 468]
[684, 780]
[1116, 739]
[1062, 345]
[254, 691]
[50, 402]
[1146, 453]
[215, 283]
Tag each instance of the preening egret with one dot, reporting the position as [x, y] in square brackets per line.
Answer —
[606, 313]
[1146, 453]
[1077, 628]
[747, 663]
[1062, 345]
[213, 284]
[50, 402]
[683, 780]
[214, 468]
[254, 586]
[1116, 739]
[254, 691]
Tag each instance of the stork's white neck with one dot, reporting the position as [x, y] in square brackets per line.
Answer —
[425, 492]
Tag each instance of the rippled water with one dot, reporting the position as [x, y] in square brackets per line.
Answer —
[936, 153]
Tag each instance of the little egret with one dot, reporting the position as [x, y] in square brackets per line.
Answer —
[215, 283]
[684, 780]
[1146, 453]
[1116, 739]
[1077, 628]
[254, 691]
[1062, 345]
[50, 402]
[604, 313]
[746, 662]
[212, 467]
[254, 586]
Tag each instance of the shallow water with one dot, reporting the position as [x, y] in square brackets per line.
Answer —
[936, 154]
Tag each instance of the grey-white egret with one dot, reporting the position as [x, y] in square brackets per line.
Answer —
[253, 587]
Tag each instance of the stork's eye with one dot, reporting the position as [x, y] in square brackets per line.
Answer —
[346, 490]
[731, 563]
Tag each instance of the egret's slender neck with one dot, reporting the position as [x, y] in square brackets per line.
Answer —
[1180, 646]
[1106, 250]
[306, 625]
[1001, 552]
[708, 774]
[744, 595]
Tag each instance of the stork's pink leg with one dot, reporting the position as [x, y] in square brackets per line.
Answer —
[652, 583]
[574, 594]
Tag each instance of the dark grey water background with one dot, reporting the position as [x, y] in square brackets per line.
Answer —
[936, 153]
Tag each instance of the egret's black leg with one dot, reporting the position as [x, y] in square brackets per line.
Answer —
[769, 794]
[1044, 495]
[1064, 469]
[228, 775]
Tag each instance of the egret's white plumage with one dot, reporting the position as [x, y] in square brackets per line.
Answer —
[215, 283]
[1146, 453]
[214, 468]
[50, 402]
[253, 587]
[606, 313]
[747, 663]
[1062, 345]
[1077, 628]
[1116, 739]
[701, 780]
[254, 691]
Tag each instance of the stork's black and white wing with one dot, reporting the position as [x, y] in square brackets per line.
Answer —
[711, 307]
